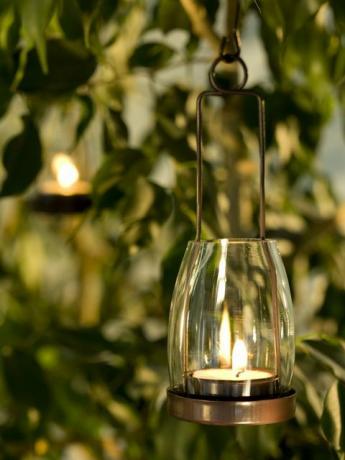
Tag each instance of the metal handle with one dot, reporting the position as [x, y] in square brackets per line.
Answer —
[221, 92]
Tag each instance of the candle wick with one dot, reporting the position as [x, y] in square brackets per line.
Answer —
[238, 373]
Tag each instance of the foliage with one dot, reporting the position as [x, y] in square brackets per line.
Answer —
[85, 301]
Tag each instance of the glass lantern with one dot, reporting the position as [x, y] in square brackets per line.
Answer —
[231, 334]
[231, 329]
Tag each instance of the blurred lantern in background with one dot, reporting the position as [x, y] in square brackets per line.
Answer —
[63, 189]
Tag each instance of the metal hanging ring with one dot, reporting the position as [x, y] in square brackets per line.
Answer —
[229, 59]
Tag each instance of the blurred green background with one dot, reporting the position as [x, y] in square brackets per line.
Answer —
[85, 299]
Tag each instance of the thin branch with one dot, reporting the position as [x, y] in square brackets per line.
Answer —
[257, 4]
[202, 28]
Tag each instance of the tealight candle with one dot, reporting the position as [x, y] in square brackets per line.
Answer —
[65, 193]
[237, 381]
[232, 383]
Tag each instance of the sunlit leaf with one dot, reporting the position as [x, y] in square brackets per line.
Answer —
[35, 18]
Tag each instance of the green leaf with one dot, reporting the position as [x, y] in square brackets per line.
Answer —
[88, 6]
[119, 169]
[35, 17]
[106, 184]
[169, 15]
[5, 98]
[9, 26]
[283, 20]
[339, 67]
[70, 65]
[339, 14]
[333, 417]
[139, 200]
[151, 55]
[95, 14]
[115, 131]
[260, 442]
[6, 75]
[25, 380]
[22, 160]
[328, 351]
[70, 18]
[87, 114]
[211, 7]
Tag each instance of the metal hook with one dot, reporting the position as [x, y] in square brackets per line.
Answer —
[230, 46]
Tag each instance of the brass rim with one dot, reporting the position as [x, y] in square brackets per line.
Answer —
[232, 412]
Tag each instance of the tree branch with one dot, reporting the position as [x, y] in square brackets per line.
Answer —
[202, 28]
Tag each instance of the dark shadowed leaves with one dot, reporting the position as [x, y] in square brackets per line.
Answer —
[22, 159]
[339, 14]
[284, 20]
[70, 65]
[87, 112]
[211, 7]
[25, 380]
[151, 55]
[106, 185]
[71, 20]
[6, 75]
[330, 352]
[110, 181]
[115, 132]
[169, 15]
[333, 417]
[5, 97]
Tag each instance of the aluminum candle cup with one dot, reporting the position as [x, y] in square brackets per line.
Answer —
[232, 384]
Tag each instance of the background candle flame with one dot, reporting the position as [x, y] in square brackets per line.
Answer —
[239, 355]
[224, 340]
[65, 170]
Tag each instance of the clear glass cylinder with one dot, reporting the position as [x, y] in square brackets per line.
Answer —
[231, 329]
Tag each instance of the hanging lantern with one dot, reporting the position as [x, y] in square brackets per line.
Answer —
[231, 330]
[61, 189]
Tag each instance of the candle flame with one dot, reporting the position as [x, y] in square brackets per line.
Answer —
[224, 340]
[65, 170]
[239, 355]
